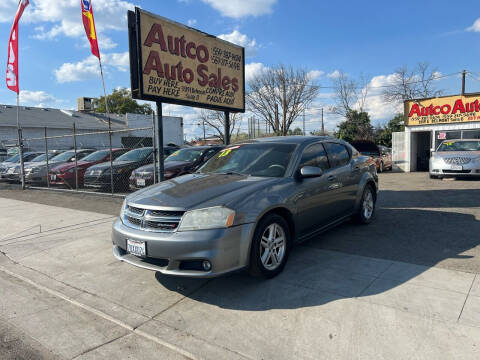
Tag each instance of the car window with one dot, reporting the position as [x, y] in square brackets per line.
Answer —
[209, 154]
[315, 155]
[338, 154]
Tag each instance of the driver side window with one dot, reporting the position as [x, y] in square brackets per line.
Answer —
[314, 155]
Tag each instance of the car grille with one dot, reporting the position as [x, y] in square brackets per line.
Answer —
[95, 172]
[458, 160]
[152, 220]
[144, 175]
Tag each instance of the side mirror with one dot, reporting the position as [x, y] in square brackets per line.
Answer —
[310, 171]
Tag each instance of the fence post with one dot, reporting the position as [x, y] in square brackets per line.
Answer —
[111, 154]
[160, 142]
[75, 148]
[154, 146]
[46, 152]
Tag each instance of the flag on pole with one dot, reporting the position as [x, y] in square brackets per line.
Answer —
[89, 24]
[12, 60]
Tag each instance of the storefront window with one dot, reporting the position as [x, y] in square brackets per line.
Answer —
[471, 134]
[446, 135]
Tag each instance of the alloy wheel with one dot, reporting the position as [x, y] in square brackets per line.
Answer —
[368, 204]
[272, 246]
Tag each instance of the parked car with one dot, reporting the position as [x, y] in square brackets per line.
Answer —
[459, 157]
[37, 173]
[98, 176]
[380, 154]
[64, 174]
[14, 173]
[246, 207]
[181, 162]
[7, 167]
[3, 153]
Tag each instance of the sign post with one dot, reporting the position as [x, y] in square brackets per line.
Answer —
[161, 171]
[176, 64]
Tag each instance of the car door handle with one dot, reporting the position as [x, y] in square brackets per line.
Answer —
[331, 178]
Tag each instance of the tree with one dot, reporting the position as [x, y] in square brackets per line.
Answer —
[350, 95]
[384, 134]
[296, 131]
[414, 84]
[357, 126]
[279, 95]
[121, 102]
[216, 121]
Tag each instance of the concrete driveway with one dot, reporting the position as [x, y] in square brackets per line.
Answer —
[403, 287]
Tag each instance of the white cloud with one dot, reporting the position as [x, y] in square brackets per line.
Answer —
[64, 17]
[241, 8]
[475, 26]
[192, 22]
[253, 69]
[315, 74]
[334, 75]
[240, 39]
[89, 68]
[34, 97]
[376, 106]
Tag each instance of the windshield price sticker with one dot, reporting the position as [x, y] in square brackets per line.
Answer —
[227, 151]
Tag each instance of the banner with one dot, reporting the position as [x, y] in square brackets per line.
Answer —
[12, 60]
[89, 25]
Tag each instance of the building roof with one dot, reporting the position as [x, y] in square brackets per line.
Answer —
[34, 117]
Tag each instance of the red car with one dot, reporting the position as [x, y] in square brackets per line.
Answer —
[65, 174]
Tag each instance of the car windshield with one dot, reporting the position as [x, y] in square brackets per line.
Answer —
[39, 158]
[186, 155]
[260, 159]
[97, 155]
[64, 156]
[473, 145]
[13, 158]
[135, 155]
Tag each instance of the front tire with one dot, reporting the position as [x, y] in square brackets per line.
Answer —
[270, 247]
[366, 211]
[380, 167]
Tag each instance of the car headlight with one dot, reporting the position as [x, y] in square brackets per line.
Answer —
[122, 210]
[210, 218]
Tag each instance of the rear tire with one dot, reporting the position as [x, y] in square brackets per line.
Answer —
[270, 247]
[433, 176]
[380, 167]
[366, 211]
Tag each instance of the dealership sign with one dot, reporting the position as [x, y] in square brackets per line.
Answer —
[173, 63]
[442, 110]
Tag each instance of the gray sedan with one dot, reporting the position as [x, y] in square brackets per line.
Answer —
[456, 158]
[246, 207]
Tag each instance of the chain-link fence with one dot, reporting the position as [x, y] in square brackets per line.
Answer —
[80, 160]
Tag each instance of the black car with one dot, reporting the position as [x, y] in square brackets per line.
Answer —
[98, 176]
[181, 162]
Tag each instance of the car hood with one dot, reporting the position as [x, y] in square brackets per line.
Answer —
[44, 163]
[168, 166]
[70, 165]
[445, 154]
[115, 165]
[199, 190]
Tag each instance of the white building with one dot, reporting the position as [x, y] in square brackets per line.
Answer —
[430, 121]
[129, 129]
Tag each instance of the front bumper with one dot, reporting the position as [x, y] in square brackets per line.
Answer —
[440, 168]
[169, 252]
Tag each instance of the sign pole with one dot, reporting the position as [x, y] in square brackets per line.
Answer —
[20, 143]
[227, 128]
[160, 141]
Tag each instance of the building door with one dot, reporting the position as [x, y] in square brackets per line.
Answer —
[423, 146]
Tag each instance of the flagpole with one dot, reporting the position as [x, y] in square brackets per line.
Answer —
[112, 189]
[20, 143]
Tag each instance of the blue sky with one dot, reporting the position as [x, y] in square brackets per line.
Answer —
[372, 38]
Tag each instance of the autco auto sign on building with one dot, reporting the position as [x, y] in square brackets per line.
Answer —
[430, 121]
[180, 65]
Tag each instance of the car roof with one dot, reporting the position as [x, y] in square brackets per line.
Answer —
[297, 139]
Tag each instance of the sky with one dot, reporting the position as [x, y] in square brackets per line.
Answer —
[370, 38]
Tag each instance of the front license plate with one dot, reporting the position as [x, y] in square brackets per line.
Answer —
[140, 182]
[136, 248]
[456, 167]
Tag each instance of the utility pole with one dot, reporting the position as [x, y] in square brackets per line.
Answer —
[323, 125]
[204, 140]
[464, 73]
[258, 127]
[277, 122]
[304, 122]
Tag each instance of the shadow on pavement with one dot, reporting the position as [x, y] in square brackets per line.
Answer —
[315, 275]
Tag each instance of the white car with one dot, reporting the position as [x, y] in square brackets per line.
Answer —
[456, 158]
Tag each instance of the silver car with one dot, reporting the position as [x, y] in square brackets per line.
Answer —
[456, 158]
[246, 207]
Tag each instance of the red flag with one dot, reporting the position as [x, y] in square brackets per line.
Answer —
[89, 24]
[12, 61]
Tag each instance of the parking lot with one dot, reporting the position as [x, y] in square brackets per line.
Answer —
[405, 286]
